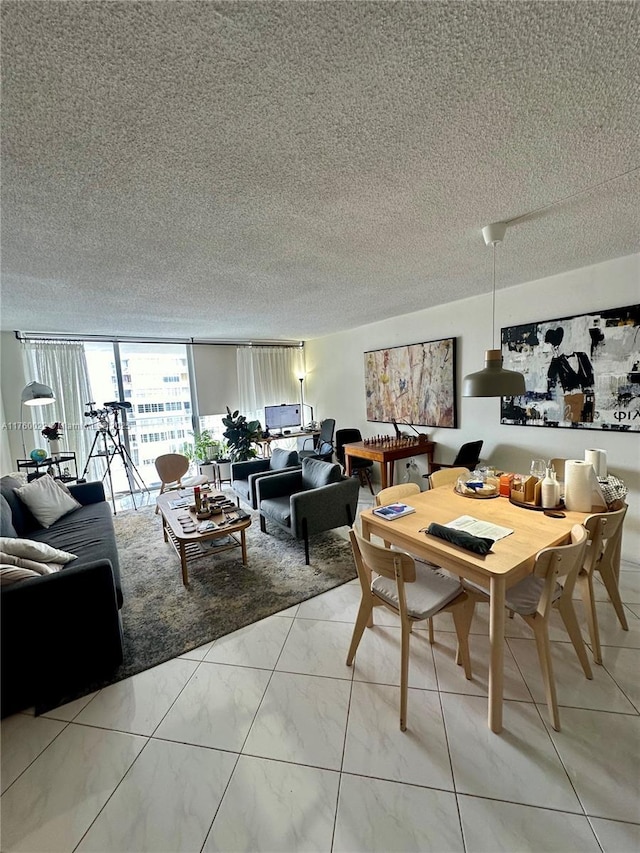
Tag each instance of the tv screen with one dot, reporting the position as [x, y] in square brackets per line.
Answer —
[277, 418]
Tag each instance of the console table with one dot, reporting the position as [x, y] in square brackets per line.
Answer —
[386, 453]
[64, 461]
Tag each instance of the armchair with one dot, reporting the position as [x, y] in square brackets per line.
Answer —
[245, 475]
[309, 500]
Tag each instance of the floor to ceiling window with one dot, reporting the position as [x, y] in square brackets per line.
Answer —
[149, 385]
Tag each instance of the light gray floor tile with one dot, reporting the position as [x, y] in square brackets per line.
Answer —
[274, 806]
[490, 826]
[378, 658]
[302, 719]
[258, 645]
[617, 837]
[624, 667]
[380, 816]
[23, 739]
[375, 746]
[600, 752]
[139, 703]
[573, 688]
[519, 765]
[337, 605]
[217, 707]
[315, 647]
[53, 803]
[166, 801]
[451, 677]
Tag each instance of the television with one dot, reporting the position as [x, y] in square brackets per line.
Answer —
[278, 418]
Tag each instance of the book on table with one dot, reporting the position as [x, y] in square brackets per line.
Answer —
[392, 511]
[476, 527]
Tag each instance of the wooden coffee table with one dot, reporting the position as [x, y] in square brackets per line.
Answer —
[188, 545]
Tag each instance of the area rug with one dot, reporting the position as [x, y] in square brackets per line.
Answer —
[162, 618]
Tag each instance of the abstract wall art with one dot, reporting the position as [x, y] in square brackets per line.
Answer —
[413, 384]
[581, 372]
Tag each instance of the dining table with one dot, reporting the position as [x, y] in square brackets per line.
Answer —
[510, 559]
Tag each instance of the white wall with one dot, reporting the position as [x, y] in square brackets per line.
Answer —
[335, 374]
[13, 381]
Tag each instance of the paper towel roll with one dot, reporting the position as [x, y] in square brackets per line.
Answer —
[598, 459]
[581, 490]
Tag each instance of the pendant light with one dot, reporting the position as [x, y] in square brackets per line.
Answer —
[34, 394]
[493, 380]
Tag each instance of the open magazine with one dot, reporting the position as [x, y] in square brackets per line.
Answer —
[479, 528]
[393, 511]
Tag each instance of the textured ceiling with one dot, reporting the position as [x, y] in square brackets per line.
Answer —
[269, 170]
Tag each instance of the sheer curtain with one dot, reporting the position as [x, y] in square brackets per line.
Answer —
[63, 366]
[268, 376]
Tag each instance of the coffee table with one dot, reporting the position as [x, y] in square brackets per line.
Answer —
[188, 546]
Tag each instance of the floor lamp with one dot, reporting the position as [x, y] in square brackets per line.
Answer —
[34, 394]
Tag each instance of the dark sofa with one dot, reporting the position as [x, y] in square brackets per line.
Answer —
[62, 631]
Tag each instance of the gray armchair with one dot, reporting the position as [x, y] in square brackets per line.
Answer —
[309, 500]
[245, 475]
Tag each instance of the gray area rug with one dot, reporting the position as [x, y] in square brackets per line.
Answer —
[163, 619]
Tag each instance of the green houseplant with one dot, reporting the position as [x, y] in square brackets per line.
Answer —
[241, 435]
[205, 449]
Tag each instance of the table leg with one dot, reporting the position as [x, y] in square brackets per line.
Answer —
[383, 475]
[347, 465]
[243, 542]
[183, 563]
[496, 640]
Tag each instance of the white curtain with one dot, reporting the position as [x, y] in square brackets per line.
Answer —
[268, 376]
[63, 366]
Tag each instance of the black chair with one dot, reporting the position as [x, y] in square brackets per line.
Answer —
[323, 444]
[468, 457]
[359, 467]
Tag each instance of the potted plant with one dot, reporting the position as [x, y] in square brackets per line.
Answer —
[204, 451]
[241, 435]
[52, 434]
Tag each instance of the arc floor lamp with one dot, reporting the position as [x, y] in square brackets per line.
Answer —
[34, 394]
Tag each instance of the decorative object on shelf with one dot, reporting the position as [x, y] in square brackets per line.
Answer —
[241, 435]
[493, 380]
[34, 394]
[581, 372]
[38, 455]
[52, 434]
[413, 384]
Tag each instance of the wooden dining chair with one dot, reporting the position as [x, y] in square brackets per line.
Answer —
[392, 494]
[603, 556]
[171, 468]
[412, 591]
[445, 476]
[534, 596]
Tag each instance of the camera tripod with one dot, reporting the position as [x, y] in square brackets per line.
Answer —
[106, 445]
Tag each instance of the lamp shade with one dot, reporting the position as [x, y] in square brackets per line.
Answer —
[493, 380]
[37, 394]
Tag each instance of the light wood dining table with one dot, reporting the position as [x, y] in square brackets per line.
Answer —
[510, 559]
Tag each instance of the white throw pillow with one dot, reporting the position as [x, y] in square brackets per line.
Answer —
[46, 500]
[12, 574]
[31, 550]
[24, 563]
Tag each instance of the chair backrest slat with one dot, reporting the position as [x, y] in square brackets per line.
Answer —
[563, 561]
[446, 475]
[384, 561]
[605, 533]
[171, 467]
[395, 493]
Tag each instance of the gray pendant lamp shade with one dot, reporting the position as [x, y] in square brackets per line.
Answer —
[493, 380]
[37, 394]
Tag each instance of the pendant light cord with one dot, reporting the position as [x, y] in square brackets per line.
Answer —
[493, 310]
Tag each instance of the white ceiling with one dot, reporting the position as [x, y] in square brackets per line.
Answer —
[284, 170]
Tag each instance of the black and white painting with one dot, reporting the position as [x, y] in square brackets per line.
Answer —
[581, 372]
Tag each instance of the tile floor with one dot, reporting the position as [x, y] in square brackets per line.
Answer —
[265, 741]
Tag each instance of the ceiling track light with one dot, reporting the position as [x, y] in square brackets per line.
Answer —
[493, 380]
